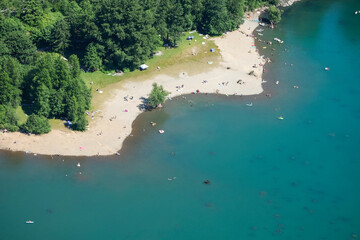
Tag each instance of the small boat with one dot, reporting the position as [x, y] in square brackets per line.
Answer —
[277, 82]
[281, 118]
[278, 40]
[327, 69]
[207, 181]
[161, 131]
[29, 222]
[78, 164]
[249, 104]
[260, 34]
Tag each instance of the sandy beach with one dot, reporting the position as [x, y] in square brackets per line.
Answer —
[113, 120]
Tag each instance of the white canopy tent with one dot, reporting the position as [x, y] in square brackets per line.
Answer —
[143, 67]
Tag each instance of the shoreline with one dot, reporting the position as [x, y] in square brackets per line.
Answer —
[114, 119]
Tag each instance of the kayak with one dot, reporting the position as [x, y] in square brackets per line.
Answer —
[278, 40]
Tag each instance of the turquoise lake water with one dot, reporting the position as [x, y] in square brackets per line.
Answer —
[298, 178]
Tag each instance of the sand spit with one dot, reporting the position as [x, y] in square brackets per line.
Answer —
[113, 123]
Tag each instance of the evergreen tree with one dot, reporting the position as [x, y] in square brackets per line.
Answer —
[10, 81]
[170, 21]
[188, 17]
[42, 101]
[72, 11]
[31, 12]
[56, 89]
[197, 12]
[42, 77]
[62, 73]
[7, 118]
[41, 73]
[85, 94]
[88, 28]
[36, 124]
[235, 13]
[161, 21]
[61, 35]
[128, 33]
[175, 21]
[215, 17]
[56, 101]
[72, 109]
[15, 41]
[9, 94]
[4, 51]
[80, 124]
[92, 61]
[21, 47]
[74, 66]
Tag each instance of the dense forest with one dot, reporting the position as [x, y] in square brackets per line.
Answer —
[37, 35]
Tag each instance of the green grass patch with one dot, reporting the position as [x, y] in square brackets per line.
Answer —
[20, 115]
[57, 124]
[98, 79]
[186, 52]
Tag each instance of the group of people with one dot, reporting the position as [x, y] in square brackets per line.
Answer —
[127, 97]
[112, 118]
[179, 88]
[92, 114]
[240, 82]
[223, 84]
[3, 131]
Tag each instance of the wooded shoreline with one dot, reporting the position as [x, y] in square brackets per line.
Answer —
[106, 137]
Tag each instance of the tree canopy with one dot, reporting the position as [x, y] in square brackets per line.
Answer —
[36, 124]
[7, 118]
[52, 88]
[274, 14]
[36, 37]
[111, 34]
[157, 95]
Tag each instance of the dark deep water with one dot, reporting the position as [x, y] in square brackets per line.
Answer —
[270, 179]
